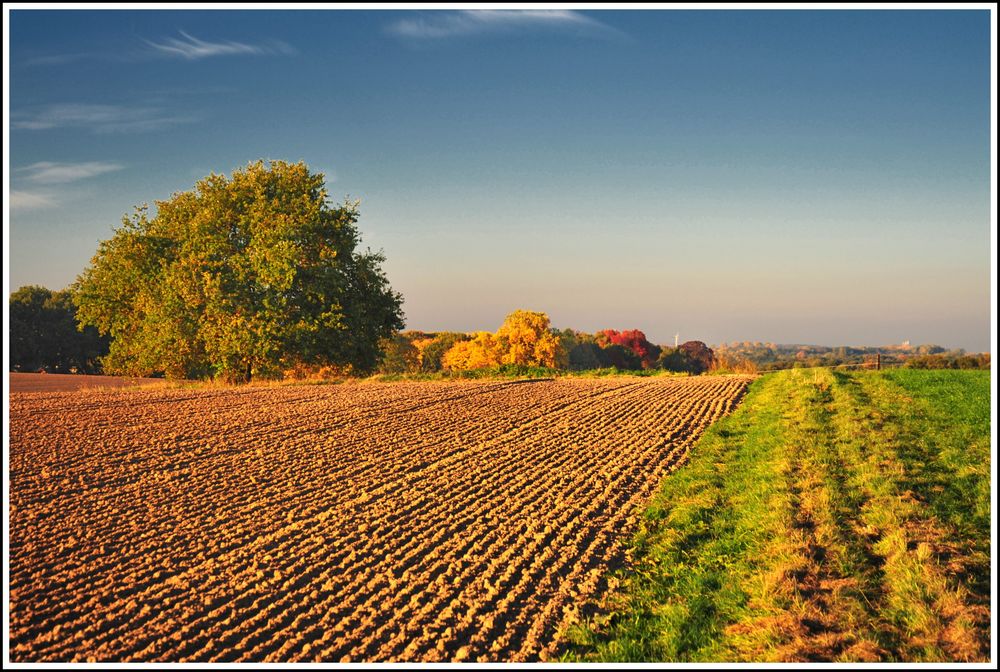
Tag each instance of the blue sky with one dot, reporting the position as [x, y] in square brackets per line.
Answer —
[788, 176]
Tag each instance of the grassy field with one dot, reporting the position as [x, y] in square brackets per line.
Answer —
[833, 517]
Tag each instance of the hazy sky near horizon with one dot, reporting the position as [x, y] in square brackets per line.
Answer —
[790, 176]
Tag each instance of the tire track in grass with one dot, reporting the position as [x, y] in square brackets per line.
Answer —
[936, 612]
[818, 600]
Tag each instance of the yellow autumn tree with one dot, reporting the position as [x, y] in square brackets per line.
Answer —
[479, 353]
[525, 339]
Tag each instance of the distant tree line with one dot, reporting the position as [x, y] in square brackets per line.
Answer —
[526, 338]
[44, 334]
[944, 361]
[772, 356]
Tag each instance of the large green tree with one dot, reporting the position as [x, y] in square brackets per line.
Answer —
[241, 277]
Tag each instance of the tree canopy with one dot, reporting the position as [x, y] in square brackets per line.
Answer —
[633, 340]
[432, 351]
[242, 276]
[524, 339]
[698, 355]
[43, 334]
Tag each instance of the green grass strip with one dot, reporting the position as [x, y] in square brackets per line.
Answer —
[833, 516]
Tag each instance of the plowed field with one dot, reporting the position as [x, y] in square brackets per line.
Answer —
[404, 521]
[64, 382]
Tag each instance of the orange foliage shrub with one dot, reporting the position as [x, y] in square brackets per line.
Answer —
[479, 353]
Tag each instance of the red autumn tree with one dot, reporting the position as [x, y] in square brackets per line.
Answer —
[631, 339]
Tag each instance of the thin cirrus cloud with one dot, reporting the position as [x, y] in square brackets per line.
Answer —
[49, 172]
[187, 47]
[191, 48]
[27, 200]
[442, 25]
[98, 118]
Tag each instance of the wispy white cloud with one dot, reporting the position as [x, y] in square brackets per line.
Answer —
[186, 47]
[49, 172]
[443, 24]
[26, 200]
[98, 118]
[191, 48]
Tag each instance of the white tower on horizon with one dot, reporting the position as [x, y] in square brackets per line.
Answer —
[677, 337]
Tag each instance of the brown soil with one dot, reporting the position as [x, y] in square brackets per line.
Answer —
[380, 522]
[64, 382]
